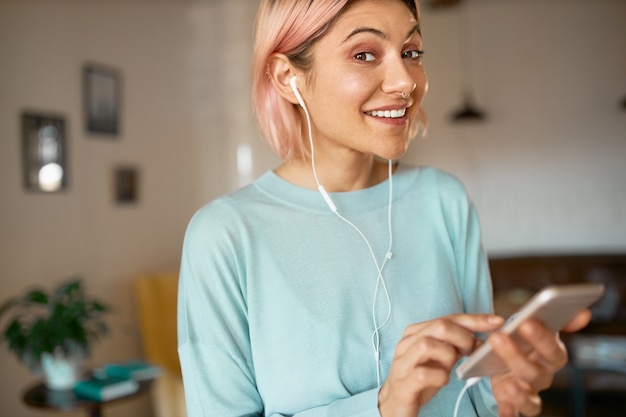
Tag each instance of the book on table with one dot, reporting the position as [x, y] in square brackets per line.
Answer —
[105, 388]
[136, 369]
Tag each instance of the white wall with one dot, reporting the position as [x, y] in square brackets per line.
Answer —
[547, 170]
[46, 238]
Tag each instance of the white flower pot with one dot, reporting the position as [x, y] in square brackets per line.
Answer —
[60, 372]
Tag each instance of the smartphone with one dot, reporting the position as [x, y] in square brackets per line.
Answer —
[554, 305]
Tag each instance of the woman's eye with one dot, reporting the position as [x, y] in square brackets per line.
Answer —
[413, 54]
[364, 56]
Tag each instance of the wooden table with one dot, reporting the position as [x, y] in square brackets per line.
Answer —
[39, 396]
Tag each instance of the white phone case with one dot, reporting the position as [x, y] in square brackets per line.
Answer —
[555, 306]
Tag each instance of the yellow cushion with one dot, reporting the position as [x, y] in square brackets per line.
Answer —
[156, 305]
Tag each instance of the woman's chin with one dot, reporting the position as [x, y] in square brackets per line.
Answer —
[393, 154]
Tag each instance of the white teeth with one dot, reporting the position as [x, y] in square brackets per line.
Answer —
[389, 114]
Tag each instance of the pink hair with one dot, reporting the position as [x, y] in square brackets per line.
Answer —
[289, 27]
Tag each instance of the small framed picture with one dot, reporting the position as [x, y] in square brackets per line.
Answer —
[126, 184]
[102, 99]
[44, 152]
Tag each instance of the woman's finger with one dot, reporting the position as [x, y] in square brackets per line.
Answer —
[515, 396]
[428, 351]
[517, 360]
[477, 322]
[471, 322]
[546, 344]
[456, 330]
[578, 322]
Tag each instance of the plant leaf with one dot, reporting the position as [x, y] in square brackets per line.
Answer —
[36, 296]
[15, 336]
[67, 320]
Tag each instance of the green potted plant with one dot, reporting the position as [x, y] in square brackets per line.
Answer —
[51, 333]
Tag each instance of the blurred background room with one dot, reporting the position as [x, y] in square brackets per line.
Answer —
[545, 166]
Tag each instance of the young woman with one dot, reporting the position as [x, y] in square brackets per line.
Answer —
[343, 283]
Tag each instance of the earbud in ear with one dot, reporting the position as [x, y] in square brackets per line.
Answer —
[296, 92]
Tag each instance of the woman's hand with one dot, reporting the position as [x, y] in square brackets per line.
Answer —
[517, 391]
[424, 358]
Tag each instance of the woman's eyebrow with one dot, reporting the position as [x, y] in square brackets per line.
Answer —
[373, 31]
[416, 29]
[379, 33]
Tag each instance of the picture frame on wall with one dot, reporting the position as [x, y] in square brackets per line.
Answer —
[126, 184]
[102, 99]
[44, 152]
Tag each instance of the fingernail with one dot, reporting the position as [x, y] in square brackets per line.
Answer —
[495, 320]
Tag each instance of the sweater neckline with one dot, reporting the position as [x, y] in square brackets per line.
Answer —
[370, 198]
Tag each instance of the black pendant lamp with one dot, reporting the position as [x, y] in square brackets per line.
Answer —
[467, 111]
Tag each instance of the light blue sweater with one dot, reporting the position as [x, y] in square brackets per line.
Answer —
[276, 294]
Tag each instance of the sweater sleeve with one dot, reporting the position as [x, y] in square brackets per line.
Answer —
[478, 295]
[364, 404]
[473, 275]
[478, 283]
[213, 333]
[213, 341]
[464, 232]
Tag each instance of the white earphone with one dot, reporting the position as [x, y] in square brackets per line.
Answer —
[296, 92]
[320, 187]
[380, 280]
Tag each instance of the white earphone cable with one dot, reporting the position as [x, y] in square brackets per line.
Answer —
[468, 384]
[380, 280]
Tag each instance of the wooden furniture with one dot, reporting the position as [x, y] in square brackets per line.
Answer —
[516, 278]
[39, 396]
[156, 300]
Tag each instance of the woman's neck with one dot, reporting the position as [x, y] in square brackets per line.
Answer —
[335, 177]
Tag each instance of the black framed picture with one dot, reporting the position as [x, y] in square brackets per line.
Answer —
[44, 152]
[126, 184]
[102, 99]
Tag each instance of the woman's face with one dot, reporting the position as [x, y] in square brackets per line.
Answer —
[361, 67]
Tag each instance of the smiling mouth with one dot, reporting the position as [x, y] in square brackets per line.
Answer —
[388, 114]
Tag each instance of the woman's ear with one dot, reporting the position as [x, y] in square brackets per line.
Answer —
[280, 71]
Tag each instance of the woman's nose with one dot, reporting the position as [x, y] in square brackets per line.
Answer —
[398, 78]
